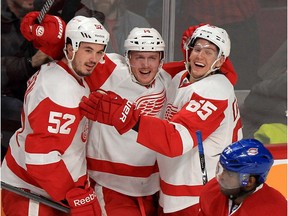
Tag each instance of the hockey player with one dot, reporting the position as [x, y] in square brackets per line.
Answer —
[47, 155]
[126, 173]
[201, 98]
[239, 187]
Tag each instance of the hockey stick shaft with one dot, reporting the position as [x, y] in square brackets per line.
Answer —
[46, 7]
[202, 157]
[34, 197]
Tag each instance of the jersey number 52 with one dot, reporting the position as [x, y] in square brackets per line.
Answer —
[60, 122]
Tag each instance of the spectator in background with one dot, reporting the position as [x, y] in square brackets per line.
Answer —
[239, 187]
[19, 61]
[238, 17]
[116, 18]
[265, 107]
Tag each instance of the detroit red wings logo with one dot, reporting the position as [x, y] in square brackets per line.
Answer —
[151, 104]
[84, 133]
[170, 112]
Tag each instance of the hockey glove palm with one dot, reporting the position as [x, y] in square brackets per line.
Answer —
[109, 108]
[83, 202]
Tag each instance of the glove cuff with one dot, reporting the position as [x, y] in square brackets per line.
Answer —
[78, 197]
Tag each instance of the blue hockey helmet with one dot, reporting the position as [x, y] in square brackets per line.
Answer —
[247, 157]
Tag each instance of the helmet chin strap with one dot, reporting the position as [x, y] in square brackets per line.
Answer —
[241, 193]
[210, 71]
[70, 62]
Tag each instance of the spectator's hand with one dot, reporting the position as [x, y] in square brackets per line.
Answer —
[109, 108]
[83, 202]
[47, 36]
[186, 36]
[39, 58]
[228, 70]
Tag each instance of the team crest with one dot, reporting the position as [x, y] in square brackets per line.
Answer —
[84, 133]
[151, 105]
[170, 111]
[40, 31]
[252, 151]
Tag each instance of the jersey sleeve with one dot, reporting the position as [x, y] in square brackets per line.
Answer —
[53, 128]
[100, 74]
[178, 136]
[174, 68]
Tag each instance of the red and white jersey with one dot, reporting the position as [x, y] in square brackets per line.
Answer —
[265, 201]
[208, 105]
[47, 154]
[118, 162]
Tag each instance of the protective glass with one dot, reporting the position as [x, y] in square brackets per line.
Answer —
[230, 180]
[208, 50]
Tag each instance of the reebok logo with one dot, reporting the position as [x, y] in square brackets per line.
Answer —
[85, 200]
[60, 32]
[125, 111]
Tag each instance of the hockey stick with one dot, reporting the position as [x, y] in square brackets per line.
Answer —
[69, 9]
[202, 157]
[35, 197]
[46, 7]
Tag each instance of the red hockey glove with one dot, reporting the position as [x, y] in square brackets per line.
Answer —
[185, 36]
[228, 70]
[83, 202]
[49, 36]
[109, 108]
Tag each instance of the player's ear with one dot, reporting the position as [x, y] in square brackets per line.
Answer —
[220, 62]
[251, 183]
[69, 49]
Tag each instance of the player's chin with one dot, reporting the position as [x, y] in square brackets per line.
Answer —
[89, 70]
[86, 73]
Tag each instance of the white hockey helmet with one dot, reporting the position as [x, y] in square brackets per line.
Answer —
[216, 35]
[84, 29]
[144, 39]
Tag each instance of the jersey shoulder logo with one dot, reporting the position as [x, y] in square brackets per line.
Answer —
[151, 104]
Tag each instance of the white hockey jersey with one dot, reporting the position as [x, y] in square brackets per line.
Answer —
[208, 105]
[47, 154]
[118, 162]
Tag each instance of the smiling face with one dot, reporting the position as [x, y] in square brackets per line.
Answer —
[144, 65]
[202, 58]
[86, 57]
